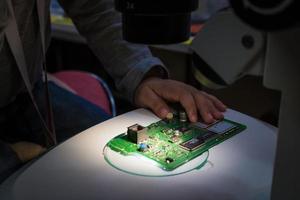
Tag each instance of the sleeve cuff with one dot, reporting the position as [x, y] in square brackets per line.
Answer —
[135, 76]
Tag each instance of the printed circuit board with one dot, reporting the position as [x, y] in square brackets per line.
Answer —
[173, 142]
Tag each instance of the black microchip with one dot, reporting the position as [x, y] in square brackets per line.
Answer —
[165, 121]
[183, 129]
[207, 136]
[192, 144]
[169, 160]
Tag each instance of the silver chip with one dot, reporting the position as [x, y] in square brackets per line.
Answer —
[203, 125]
[221, 127]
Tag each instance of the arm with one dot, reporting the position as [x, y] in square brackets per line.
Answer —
[100, 24]
[133, 67]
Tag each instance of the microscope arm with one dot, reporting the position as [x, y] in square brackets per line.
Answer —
[221, 47]
[230, 48]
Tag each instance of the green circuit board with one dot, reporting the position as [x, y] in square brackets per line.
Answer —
[171, 143]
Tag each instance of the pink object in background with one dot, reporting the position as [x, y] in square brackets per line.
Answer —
[87, 86]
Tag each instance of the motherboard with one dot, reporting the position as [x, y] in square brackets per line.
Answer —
[175, 141]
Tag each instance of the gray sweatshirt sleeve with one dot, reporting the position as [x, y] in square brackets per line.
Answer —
[3, 20]
[101, 25]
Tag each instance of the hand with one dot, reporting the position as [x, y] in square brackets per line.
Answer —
[154, 93]
[27, 151]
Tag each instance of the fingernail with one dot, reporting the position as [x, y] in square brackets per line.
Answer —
[193, 118]
[219, 115]
[210, 118]
[222, 115]
[164, 112]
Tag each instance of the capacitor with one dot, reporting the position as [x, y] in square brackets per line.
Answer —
[143, 147]
[169, 160]
[170, 131]
[177, 133]
[170, 116]
[182, 117]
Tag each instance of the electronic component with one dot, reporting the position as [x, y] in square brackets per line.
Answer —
[182, 116]
[207, 136]
[168, 131]
[192, 144]
[137, 133]
[183, 129]
[169, 160]
[203, 125]
[143, 147]
[177, 133]
[221, 127]
[170, 116]
[175, 138]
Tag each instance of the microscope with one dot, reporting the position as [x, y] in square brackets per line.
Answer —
[258, 37]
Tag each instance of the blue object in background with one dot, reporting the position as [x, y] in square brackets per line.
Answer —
[56, 9]
[207, 8]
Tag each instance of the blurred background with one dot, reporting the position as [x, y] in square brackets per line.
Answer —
[69, 51]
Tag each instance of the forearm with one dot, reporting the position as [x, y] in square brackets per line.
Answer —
[101, 25]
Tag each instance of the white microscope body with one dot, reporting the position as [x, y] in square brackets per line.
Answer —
[232, 49]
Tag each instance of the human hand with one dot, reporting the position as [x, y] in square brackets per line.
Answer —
[27, 151]
[154, 93]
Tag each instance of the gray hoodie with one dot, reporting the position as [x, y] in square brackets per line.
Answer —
[97, 21]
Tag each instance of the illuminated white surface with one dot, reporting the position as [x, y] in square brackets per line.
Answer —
[240, 168]
[142, 166]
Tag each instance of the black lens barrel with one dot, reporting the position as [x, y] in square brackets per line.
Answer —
[267, 15]
[156, 21]
[156, 6]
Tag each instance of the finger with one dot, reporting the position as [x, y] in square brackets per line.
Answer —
[217, 114]
[171, 90]
[217, 103]
[188, 102]
[204, 107]
[215, 106]
[181, 94]
[155, 103]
